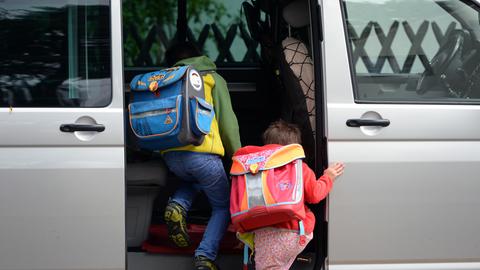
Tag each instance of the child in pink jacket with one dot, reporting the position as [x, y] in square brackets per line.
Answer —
[276, 247]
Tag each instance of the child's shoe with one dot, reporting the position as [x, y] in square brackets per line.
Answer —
[204, 263]
[175, 218]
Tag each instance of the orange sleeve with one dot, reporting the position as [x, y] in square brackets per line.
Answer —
[315, 190]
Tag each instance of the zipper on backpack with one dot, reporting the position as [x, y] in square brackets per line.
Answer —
[153, 113]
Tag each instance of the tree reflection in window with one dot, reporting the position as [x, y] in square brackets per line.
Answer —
[55, 54]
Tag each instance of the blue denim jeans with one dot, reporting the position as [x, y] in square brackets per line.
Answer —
[202, 171]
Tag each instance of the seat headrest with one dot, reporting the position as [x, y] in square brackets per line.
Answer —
[296, 13]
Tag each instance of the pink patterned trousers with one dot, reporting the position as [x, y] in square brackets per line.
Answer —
[276, 249]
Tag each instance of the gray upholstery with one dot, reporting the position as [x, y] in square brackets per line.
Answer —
[149, 172]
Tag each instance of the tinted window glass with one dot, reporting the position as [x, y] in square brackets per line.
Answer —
[55, 53]
[217, 27]
[414, 51]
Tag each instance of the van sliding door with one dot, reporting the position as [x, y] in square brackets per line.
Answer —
[61, 129]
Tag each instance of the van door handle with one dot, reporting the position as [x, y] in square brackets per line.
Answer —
[368, 122]
[82, 127]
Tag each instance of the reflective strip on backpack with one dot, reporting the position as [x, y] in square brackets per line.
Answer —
[254, 190]
[299, 185]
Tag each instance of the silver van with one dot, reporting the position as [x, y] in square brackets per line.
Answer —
[390, 87]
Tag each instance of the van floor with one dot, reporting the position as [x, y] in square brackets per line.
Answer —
[145, 261]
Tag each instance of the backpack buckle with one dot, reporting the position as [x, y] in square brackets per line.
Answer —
[153, 86]
[254, 168]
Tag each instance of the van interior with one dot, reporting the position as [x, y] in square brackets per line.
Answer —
[263, 49]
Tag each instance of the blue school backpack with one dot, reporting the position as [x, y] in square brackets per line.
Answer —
[169, 108]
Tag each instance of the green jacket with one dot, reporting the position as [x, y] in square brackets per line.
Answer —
[227, 121]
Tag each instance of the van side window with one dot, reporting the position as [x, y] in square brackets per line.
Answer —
[55, 53]
[404, 51]
[216, 27]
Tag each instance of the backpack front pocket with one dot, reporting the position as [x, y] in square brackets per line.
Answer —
[156, 118]
[201, 116]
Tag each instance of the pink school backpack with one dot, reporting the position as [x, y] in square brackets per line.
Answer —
[267, 186]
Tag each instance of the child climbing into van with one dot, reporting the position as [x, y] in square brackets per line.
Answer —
[200, 167]
[276, 246]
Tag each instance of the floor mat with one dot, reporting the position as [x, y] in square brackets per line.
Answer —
[159, 243]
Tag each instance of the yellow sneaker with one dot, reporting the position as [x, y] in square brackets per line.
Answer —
[175, 218]
[204, 263]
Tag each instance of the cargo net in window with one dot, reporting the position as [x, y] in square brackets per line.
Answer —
[301, 64]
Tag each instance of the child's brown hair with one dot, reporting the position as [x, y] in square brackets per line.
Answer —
[283, 133]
